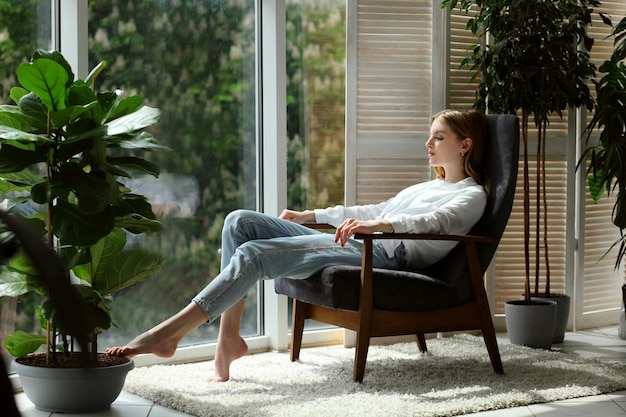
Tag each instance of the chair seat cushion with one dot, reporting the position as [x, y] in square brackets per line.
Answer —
[338, 287]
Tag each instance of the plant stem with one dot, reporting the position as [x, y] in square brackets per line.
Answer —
[526, 207]
[537, 209]
[544, 128]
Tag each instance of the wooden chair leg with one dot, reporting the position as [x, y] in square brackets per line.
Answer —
[360, 356]
[491, 342]
[489, 333]
[420, 338]
[299, 314]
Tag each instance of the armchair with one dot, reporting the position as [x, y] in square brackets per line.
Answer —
[447, 296]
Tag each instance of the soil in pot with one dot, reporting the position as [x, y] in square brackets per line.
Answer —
[76, 360]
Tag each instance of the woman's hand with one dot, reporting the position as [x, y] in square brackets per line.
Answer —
[351, 226]
[300, 217]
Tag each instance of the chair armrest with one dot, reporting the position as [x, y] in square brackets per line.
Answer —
[366, 296]
[319, 226]
[426, 236]
[409, 236]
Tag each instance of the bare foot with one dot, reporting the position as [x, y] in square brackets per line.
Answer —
[225, 353]
[145, 343]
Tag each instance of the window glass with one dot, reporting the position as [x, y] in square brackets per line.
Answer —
[24, 27]
[315, 55]
[316, 46]
[196, 61]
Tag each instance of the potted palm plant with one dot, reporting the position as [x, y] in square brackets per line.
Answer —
[534, 60]
[65, 150]
[606, 171]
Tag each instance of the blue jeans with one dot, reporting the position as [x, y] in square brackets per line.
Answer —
[256, 246]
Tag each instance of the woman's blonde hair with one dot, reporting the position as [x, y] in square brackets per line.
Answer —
[467, 124]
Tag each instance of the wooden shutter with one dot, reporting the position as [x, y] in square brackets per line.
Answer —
[462, 91]
[392, 89]
[598, 286]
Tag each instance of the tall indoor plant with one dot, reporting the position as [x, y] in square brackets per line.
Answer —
[533, 60]
[606, 171]
[65, 150]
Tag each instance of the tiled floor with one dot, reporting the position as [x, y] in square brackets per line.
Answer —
[600, 343]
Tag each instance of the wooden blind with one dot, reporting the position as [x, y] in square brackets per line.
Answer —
[462, 91]
[599, 282]
[394, 61]
[509, 268]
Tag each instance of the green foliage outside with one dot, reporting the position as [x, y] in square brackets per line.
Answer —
[195, 60]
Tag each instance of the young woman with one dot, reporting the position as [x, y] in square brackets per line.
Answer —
[256, 246]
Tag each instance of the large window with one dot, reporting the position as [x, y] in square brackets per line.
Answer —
[315, 55]
[316, 46]
[196, 61]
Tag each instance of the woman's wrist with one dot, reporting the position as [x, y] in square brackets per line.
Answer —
[309, 216]
[387, 227]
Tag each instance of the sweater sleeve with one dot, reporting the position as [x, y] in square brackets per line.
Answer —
[456, 216]
[337, 214]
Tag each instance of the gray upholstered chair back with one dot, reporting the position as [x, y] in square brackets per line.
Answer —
[501, 165]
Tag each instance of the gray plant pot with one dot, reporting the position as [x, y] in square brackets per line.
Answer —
[81, 390]
[563, 302]
[531, 325]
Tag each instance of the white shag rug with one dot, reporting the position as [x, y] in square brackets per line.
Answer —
[454, 377]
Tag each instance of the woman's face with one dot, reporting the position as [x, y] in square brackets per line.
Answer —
[444, 146]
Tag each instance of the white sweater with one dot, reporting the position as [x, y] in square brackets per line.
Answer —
[429, 207]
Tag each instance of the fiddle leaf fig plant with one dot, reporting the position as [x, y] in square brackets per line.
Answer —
[65, 150]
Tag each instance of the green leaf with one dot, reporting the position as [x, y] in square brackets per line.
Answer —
[595, 184]
[17, 93]
[93, 74]
[143, 141]
[124, 269]
[23, 264]
[76, 228]
[20, 139]
[69, 114]
[125, 106]
[57, 57]
[136, 163]
[14, 283]
[7, 187]
[47, 79]
[40, 193]
[108, 101]
[21, 343]
[92, 308]
[14, 159]
[133, 122]
[138, 224]
[32, 106]
[104, 249]
[13, 117]
[90, 193]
